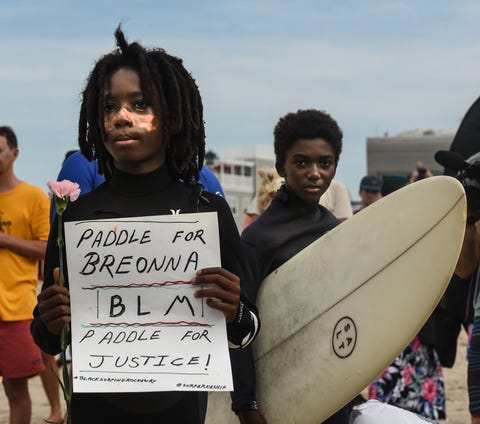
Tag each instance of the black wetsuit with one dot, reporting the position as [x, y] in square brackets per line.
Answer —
[156, 193]
[287, 226]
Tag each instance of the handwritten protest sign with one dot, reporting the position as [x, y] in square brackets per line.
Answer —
[136, 325]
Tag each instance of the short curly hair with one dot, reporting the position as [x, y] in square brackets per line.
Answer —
[308, 124]
[171, 91]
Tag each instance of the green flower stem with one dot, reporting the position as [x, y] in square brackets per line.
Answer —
[61, 279]
[65, 333]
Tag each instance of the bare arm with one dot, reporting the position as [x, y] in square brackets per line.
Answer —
[34, 249]
[470, 253]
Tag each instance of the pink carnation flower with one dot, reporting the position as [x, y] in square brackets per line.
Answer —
[64, 189]
[63, 192]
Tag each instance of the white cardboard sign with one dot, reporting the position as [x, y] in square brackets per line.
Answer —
[136, 325]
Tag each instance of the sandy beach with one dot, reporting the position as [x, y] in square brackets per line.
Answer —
[455, 380]
[456, 386]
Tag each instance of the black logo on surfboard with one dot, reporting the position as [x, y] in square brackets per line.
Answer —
[344, 337]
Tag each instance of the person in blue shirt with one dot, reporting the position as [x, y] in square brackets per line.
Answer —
[77, 168]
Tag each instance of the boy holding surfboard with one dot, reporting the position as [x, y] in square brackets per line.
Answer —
[307, 147]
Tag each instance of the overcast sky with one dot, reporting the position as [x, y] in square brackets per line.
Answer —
[375, 66]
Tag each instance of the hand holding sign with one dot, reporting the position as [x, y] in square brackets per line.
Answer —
[54, 306]
[226, 296]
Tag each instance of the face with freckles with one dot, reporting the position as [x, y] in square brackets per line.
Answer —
[132, 129]
[309, 168]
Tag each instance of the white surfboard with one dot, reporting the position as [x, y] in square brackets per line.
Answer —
[337, 313]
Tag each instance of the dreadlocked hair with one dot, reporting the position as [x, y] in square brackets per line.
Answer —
[171, 91]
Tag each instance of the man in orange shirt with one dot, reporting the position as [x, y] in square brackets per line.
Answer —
[24, 227]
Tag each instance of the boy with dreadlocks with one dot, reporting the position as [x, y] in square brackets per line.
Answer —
[141, 118]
